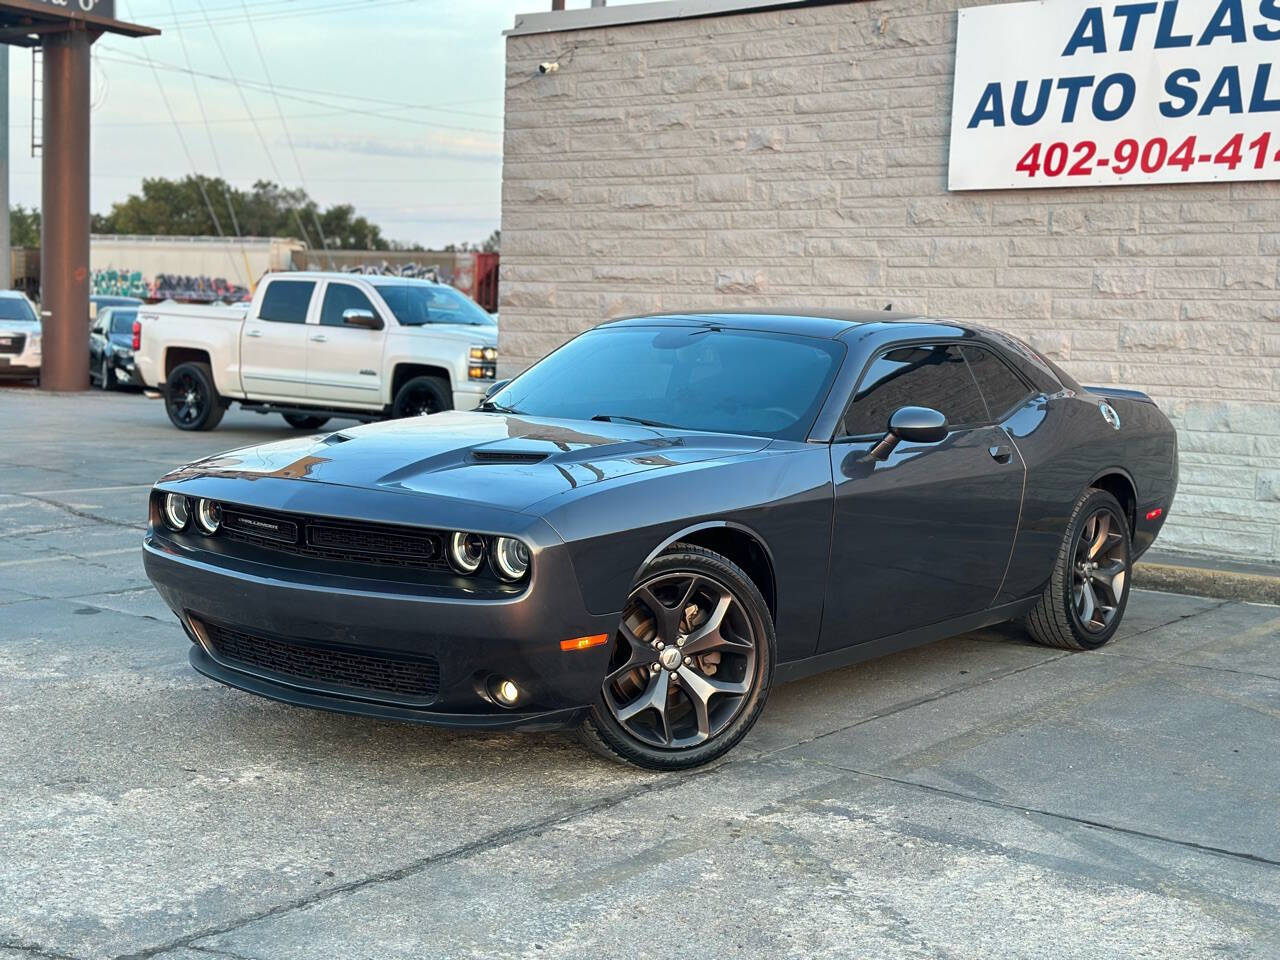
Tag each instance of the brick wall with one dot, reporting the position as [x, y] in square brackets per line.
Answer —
[799, 157]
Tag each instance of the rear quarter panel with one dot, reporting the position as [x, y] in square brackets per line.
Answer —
[1067, 444]
[217, 335]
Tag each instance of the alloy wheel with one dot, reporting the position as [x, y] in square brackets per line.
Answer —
[186, 399]
[1099, 571]
[686, 662]
[420, 403]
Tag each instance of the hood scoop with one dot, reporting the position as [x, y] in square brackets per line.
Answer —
[508, 456]
[335, 438]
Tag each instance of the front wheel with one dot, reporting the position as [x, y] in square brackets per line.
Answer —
[191, 399]
[1083, 604]
[421, 396]
[691, 667]
[104, 375]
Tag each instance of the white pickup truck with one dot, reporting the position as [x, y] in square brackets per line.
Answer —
[317, 345]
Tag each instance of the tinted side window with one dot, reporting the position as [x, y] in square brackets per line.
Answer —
[915, 376]
[1001, 387]
[339, 298]
[1033, 366]
[286, 301]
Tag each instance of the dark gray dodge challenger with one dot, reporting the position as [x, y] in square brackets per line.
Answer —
[643, 532]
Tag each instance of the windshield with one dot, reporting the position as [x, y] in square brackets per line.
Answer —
[417, 303]
[724, 381]
[16, 308]
[122, 321]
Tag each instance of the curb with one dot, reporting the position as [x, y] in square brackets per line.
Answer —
[1206, 582]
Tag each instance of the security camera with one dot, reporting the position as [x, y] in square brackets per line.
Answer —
[550, 67]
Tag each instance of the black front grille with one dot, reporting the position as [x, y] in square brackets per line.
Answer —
[334, 668]
[372, 543]
[12, 342]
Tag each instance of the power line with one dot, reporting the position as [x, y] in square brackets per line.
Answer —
[297, 219]
[263, 88]
[295, 13]
[213, 146]
[266, 72]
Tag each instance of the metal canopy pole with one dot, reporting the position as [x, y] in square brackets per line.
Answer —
[64, 256]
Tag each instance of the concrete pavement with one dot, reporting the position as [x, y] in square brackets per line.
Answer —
[981, 797]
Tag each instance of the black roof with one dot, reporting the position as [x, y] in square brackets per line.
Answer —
[801, 322]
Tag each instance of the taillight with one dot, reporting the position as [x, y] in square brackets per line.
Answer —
[137, 335]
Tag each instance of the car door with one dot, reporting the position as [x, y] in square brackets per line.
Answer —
[273, 346]
[344, 362]
[924, 534]
[98, 338]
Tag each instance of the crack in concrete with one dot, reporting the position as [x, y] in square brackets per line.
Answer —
[1050, 814]
[1190, 666]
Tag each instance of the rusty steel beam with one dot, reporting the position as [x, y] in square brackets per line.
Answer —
[64, 260]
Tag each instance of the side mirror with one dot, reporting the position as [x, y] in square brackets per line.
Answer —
[495, 387]
[361, 318]
[918, 425]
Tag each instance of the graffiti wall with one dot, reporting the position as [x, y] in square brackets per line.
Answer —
[165, 286]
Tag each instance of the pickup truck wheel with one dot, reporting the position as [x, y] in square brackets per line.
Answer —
[421, 396]
[191, 399]
[304, 423]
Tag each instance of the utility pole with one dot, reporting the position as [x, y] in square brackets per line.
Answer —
[6, 259]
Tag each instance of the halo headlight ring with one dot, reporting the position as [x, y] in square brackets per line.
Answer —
[510, 559]
[176, 510]
[208, 516]
[466, 552]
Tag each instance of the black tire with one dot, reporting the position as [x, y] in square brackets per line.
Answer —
[104, 375]
[300, 422]
[1057, 619]
[603, 732]
[421, 396]
[191, 399]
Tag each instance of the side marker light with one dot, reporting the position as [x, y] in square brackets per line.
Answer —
[584, 643]
[1155, 514]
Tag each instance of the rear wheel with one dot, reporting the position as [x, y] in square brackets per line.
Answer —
[421, 396]
[301, 422]
[1083, 604]
[191, 399]
[691, 667]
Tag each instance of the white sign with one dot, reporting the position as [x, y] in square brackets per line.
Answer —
[1069, 94]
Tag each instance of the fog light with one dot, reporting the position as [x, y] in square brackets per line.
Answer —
[208, 516]
[177, 511]
[506, 692]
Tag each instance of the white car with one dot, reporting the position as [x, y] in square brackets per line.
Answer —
[311, 346]
[20, 336]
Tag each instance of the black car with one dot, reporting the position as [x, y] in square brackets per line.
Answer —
[645, 530]
[111, 346]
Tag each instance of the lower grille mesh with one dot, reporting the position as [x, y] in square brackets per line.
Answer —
[409, 679]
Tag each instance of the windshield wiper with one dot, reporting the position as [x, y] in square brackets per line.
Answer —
[612, 417]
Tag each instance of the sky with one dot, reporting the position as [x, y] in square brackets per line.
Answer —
[394, 106]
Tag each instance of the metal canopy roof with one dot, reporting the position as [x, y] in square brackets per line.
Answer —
[25, 23]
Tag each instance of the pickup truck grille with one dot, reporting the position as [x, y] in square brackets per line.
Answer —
[12, 342]
[330, 668]
[370, 543]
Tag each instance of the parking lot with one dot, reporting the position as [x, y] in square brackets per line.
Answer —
[981, 797]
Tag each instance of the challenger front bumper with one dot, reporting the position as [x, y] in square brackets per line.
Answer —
[392, 627]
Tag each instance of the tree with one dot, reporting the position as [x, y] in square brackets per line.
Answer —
[201, 206]
[24, 226]
[491, 245]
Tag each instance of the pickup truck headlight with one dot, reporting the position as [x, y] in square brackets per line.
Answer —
[483, 363]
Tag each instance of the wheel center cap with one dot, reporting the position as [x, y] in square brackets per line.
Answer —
[670, 658]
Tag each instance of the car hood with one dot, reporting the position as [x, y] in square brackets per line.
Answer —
[19, 326]
[502, 460]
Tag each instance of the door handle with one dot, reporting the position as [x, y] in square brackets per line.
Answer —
[253, 333]
[1001, 453]
[319, 338]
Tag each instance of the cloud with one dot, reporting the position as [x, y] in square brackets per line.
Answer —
[468, 147]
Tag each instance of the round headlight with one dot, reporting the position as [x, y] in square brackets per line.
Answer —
[177, 511]
[466, 552]
[208, 516]
[510, 558]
